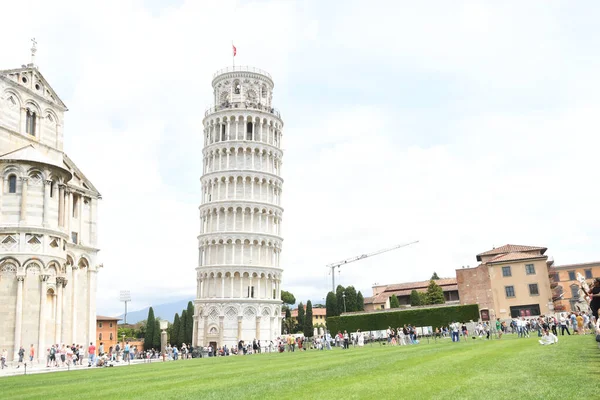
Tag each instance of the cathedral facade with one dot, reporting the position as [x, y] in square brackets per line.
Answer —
[239, 273]
[48, 212]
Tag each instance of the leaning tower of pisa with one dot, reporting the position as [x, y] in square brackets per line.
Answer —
[238, 273]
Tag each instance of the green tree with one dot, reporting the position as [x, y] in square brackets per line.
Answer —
[156, 339]
[288, 322]
[182, 328]
[288, 298]
[424, 298]
[339, 295]
[394, 302]
[149, 335]
[435, 293]
[301, 314]
[360, 301]
[331, 305]
[189, 323]
[175, 330]
[415, 299]
[435, 276]
[351, 299]
[308, 322]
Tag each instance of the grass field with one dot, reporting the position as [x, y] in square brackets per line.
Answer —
[510, 368]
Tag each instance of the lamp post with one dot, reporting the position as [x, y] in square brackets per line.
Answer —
[344, 297]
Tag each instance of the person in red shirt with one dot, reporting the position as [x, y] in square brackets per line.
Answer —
[91, 354]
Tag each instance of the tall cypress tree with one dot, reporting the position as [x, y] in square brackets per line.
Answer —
[175, 330]
[339, 295]
[360, 301]
[149, 335]
[301, 316]
[182, 328]
[394, 302]
[156, 341]
[189, 323]
[331, 305]
[351, 299]
[308, 321]
[415, 299]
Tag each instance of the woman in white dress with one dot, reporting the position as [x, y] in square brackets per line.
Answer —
[361, 339]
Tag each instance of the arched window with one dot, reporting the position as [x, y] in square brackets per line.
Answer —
[30, 122]
[111, 336]
[223, 131]
[249, 131]
[264, 91]
[52, 189]
[236, 87]
[12, 184]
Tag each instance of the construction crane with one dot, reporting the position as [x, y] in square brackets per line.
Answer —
[361, 257]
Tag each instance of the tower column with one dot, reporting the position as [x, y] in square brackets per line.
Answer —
[23, 217]
[18, 316]
[47, 187]
[42, 321]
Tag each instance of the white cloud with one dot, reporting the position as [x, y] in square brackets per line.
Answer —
[462, 125]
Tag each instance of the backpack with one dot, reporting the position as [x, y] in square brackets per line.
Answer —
[118, 348]
[52, 351]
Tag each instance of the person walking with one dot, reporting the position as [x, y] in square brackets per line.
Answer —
[91, 354]
[3, 357]
[21, 354]
[563, 326]
[31, 353]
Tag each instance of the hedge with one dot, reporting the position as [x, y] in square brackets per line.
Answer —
[375, 321]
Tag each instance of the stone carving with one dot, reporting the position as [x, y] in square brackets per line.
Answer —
[8, 268]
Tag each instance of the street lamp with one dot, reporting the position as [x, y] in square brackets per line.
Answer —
[344, 297]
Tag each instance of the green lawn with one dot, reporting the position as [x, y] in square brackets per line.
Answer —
[510, 368]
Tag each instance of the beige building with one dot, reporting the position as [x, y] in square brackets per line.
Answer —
[48, 211]
[511, 281]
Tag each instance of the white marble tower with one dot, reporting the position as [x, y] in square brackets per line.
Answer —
[238, 273]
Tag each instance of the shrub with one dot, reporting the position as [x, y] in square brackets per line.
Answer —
[434, 317]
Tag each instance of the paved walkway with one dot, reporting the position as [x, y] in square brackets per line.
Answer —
[42, 369]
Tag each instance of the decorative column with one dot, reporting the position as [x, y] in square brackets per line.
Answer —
[69, 210]
[42, 321]
[257, 327]
[92, 304]
[47, 186]
[23, 217]
[73, 307]
[18, 316]
[61, 205]
[195, 331]
[221, 329]
[60, 285]
[80, 216]
[239, 327]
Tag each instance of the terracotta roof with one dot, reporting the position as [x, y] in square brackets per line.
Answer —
[510, 248]
[369, 300]
[570, 266]
[421, 284]
[514, 257]
[406, 292]
[103, 318]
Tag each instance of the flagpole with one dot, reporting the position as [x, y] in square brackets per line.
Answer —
[233, 55]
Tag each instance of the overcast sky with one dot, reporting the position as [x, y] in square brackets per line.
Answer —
[464, 125]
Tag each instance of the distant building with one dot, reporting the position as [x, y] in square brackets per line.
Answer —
[382, 293]
[106, 330]
[565, 286]
[511, 281]
[318, 315]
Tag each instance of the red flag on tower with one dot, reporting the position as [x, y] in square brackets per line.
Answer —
[234, 50]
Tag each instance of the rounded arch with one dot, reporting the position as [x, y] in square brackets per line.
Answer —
[84, 261]
[32, 105]
[50, 116]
